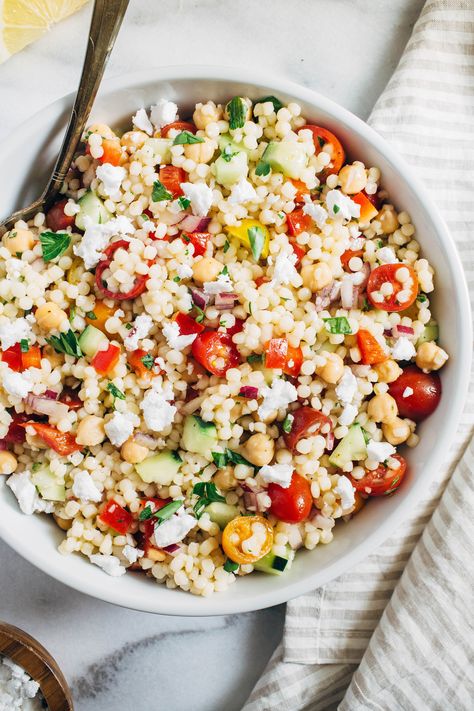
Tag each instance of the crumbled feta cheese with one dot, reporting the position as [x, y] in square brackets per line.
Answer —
[407, 392]
[403, 349]
[16, 384]
[163, 112]
[347, 386]
[348, 415]
[84, 487]
[17, 688]
[345, 491]
[277, 473]
[222, 285]
[174, 529]
[96, 237]
[26, 494]
[284, 271]
[386, 255]
[111, 177]
[120, 427]
[110, 564]
[278, 395]
[142, 122]
[315, 211]
[158, 413]
[12, 332]
[174, 338]
[132, 554]
[184, 271]
[242, 192]
[379, 451]
[341, 205]
[141, 328]
[200, 196]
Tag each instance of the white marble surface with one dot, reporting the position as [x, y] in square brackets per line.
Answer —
[347, 49]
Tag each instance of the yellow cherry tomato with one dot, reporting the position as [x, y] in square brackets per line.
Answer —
[246, 539]
[359, 503]
[242, 233]
[102, 312]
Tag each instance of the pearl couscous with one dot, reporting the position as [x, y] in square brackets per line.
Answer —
[213, 345]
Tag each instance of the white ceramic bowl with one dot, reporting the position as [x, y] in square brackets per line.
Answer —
[25, 160]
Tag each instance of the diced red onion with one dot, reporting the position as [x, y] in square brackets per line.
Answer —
[249, 391]
[330, 441]
[51, 394]
[189, 407]
[192, 223]
[325, 297]
[172, 549]
[250, 501]
[388, 333]
[46, 406]
[200, 298]
[145, 440]
[399, 331]
[225, 301]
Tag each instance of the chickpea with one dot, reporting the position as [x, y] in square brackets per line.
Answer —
[259, 449]
[353, 178]
[207, 269]
[382, 408]
[200, 152]
[56, 359]
[205, 114]
[430, 356]
[316, 276]
[63, 523]
[396, 431]
[133, 453]
[224, 479]
[102, 129]
[133, 139]
[333, 369]
[388, 219]
[90, 431]
[18, 241]
[388, 371]
[8, 463]
[49, 316]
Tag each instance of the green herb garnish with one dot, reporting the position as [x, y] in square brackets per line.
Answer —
[227, 154]
[226, 246]
[237, 110]
[36, 466]
[115, 392]
[288, 423]
[336, 209]
[177, 278]
[277, 105]
[128, 326]
[66, 343]
[24, 345]
[365, 435]
[186, 138]
[219, 459]
[162, 514]
[200, 316]
[366, 305]
[230, 566]
[147, 361]
[257, 240]
[184, 203]
[321, 141]
[91, 316]
[159, 192]
[225, 271]
[338, 325]
[422, 298]
[262, 168]
[255, 358]
[207, 493]
[236, 458]
[53, 244]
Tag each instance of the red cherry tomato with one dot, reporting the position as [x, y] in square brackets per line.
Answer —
[140, 282]
[178, 126]
[306, 422]
[381, 481]
[386, 274]
[188, 325]
[216, 352]
[348, 255]
[56, 219]
[172, 177]
[298, 222]
[321, 138]
[279, 354]
[424, 399]
[116, 517]
[293, 504]
[199, 240]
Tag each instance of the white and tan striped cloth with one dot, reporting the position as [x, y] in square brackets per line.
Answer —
[420, 655]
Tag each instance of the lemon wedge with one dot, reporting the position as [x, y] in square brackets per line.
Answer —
[23, 21]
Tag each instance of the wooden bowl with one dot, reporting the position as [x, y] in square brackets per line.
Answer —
[29, 654]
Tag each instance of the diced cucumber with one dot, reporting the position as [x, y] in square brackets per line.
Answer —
[329, 347]
[227, 140]
[91, 206]
[198, 436]
[351, 448]
[91, 339]
[221, 513]
[161, 147]
[229, 172]
[49, 485]
[287, 157]
[268, 373]
[430, 333]
[161, 468]
[275, 564]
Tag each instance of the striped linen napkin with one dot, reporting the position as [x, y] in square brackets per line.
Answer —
[418, 656]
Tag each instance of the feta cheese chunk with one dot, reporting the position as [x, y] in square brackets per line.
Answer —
[110, 564]
[26, 494]
[174, 338]
[345, 491]
[200, 196]
[96, 238]
[15, 384]
[84, 487]
[340, 205]
[142, 122]
[120, 427]
[242, 192]
[163, 112]
[184, 271]
[315, 211]
[111, 177]
[284, 271]
[347, 386]
[158, 412]
[132, 554]
[14, 331]
[348, 415]
[403, 349]
[222, 285]
[407, 392]
[386, 255]
[277, 473]
[379, 451]
[141, 328]
[174, 529]
[276, 396]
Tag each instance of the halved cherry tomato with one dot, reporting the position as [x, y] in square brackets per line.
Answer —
[236, 328]
[216, 352]
[367, 209]
[387, 274]
[348, 255]
[12, 357]
[298, 222]
[322, 137]
[62, 442]
[302, 191]
[116, 517]
[187, 325]
[199, 240]
[240, 530]
[135, 360]
[306, 422]
[105, 361]
[381, 481]
[298, 250]
[292, 504]
[70, 397]
[261, 280]
[56, 219]
[140, 282]
[178, 126]
[279, 354]
[370, 349]
[102, 312]
[172, 177]
[112, 151]
[424, 399]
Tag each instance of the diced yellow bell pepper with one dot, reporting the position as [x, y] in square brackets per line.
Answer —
[241, 232]
[102, 312]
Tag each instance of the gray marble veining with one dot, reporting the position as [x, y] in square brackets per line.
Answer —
[347, 49]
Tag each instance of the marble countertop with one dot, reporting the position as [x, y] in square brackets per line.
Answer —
[346, 49]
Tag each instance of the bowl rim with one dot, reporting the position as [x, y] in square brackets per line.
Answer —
[188, 605]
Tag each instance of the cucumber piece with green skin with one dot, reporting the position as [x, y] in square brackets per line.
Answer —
[229, 172]
[430, 333]
[91, 340]
[50, 487]
[351, 448]
[161, 468]
[91, 206]
[221, 513]
[275, 564]
[161, 147]
[329, 347]
[287, 157]
[227, 140]
[199, 436]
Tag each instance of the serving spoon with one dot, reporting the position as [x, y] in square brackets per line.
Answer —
[107, 17]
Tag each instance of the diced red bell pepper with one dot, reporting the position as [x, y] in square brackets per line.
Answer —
[116, 517]
[187, 325]
[302, 192]
[105, 361]
[62, 442]
[172, 177]
[367, 209]
[370, 349]
[56, 219]
[112, 151]
[279, 354]
[298, 222]
[199, 240]
[12, 357]
[299, 251]
[31, 358]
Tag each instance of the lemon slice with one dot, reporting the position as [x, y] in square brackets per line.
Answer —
[23, 21]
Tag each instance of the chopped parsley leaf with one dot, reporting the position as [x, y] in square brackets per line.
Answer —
[262, 168]
[66, 343]
[186, 138]
[226, 246]
[159, 192]
[230, 566]
[257, 241]
[237, 110]
[184, 202]
[337, 325]
[147, 361]
[277, 104]
[115, 392]
[255, 358]
[53, 244]
[207, 492]
[24, 345]
[288, 423]
[91, 316]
